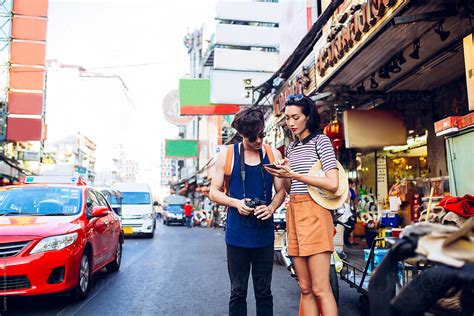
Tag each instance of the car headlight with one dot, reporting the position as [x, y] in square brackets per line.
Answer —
[148, 216]
[54, 243]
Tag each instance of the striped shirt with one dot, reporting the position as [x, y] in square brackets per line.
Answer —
[302, 156]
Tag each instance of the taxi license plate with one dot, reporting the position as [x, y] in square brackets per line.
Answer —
[127, 230]
[179, 217]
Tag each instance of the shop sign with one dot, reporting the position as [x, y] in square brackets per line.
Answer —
[469, 63]
[279, 137]
[382, 179]
[350, 29]
[301, 81]
[29, 155]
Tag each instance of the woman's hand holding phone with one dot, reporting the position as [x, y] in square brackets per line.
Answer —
[280, 168]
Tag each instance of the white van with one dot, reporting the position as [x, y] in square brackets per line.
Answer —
[138, 212]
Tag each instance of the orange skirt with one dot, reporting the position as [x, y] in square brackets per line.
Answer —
[310, 227]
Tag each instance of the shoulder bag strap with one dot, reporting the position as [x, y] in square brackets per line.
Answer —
[269, 151]
[229, 156]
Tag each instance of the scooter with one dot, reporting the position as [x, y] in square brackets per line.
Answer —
[279, 226]
[425, 289]
[200, 219]
[223, 220]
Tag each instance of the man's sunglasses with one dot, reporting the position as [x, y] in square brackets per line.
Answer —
[294, 98]
[254, 138]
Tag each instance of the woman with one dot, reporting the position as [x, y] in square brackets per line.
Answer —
[310, 227]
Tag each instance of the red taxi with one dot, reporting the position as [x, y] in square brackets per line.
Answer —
[55, 233]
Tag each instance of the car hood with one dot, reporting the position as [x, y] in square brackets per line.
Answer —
[133, 209]
[39, 226]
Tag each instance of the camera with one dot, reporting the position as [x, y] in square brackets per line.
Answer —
[253, 203]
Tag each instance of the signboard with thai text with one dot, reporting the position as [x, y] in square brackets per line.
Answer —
[469, 62]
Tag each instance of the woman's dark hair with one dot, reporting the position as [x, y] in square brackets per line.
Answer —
[309, 110]
[249, 122]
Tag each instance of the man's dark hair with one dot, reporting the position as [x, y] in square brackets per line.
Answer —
[309, 110]
[351, 182]
[249, 122]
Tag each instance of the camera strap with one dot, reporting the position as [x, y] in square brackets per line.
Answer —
[242, 170]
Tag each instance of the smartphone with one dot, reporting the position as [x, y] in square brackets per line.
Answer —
[272, 166]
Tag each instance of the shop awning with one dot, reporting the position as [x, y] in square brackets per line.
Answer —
[412, 52]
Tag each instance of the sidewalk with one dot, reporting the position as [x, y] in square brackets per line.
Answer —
[355, 254]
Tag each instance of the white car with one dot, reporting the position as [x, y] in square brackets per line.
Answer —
[138, 212]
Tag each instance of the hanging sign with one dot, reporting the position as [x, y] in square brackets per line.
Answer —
[350, 29]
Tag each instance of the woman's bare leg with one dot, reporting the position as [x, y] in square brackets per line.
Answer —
[319, 266]
[308, 300]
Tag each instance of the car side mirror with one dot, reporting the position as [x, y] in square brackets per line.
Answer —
[100, 211]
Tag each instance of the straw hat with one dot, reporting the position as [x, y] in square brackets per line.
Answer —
[326, 199]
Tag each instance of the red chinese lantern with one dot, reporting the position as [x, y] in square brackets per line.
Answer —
[335, 132]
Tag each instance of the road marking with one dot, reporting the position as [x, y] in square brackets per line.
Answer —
[97, 290]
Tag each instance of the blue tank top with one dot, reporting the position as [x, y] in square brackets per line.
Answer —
[248, 231]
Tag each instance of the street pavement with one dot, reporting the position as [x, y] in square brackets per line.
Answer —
[179, 272]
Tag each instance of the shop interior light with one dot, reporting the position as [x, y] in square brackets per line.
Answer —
[416, 50]
[383, 72]
[373, 83]
[443, 35]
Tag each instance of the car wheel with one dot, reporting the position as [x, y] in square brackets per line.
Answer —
[114, 266]
[85, 278]
[152, 234]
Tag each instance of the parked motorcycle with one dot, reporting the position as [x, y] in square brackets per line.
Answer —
[279, 225]
[436, 281]
[200, 219]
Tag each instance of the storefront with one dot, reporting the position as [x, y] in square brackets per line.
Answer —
[401, 66]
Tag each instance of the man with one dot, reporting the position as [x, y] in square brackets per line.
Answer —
[188, 209]
[249, 230]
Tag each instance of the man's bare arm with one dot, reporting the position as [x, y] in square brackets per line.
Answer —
[215, 193]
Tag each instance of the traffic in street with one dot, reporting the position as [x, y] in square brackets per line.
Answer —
[178, 272]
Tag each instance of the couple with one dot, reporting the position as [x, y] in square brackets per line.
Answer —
[250, 235]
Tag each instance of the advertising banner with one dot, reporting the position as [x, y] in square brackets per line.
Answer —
[181, 148]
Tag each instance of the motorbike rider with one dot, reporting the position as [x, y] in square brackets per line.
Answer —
[249, 232]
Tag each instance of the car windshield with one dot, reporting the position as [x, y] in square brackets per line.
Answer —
[40, 201]
[174, 208]
[136, 198]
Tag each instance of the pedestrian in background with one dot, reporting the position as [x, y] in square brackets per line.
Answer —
[249, 233]
[188, 210]
[310, 226]
[215, 216]
[348, 242]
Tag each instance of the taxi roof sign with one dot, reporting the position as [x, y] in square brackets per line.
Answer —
[54, 180]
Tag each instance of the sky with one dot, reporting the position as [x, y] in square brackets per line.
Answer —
[113, 37]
